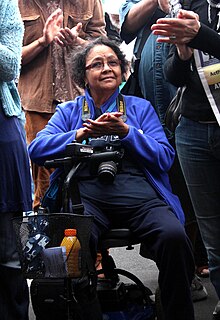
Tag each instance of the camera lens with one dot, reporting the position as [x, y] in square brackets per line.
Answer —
[107, 171]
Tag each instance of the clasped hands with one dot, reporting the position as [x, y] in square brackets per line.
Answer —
[179, 30]
[53, 30]
[106, 124]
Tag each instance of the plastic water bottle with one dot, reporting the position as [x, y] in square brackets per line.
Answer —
[73, 253]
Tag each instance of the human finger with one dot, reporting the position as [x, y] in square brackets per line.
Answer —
[187, 14]
[79, 27]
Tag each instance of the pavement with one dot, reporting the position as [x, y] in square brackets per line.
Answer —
[147, 272]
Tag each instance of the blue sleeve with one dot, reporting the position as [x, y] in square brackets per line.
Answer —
[146, 138]
[50, 143]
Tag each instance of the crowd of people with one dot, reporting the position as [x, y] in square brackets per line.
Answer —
[56, 63]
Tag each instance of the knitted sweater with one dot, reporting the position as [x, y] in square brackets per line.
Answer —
[11, 35]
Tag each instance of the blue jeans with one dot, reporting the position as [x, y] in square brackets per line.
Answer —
[198, 148]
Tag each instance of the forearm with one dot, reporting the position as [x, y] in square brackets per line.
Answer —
[30, 51]
[176, 70]
[138, 15]
[211, 44]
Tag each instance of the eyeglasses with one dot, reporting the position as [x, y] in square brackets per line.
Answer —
[99, 65]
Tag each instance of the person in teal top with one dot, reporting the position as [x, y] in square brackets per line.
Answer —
[15, 181]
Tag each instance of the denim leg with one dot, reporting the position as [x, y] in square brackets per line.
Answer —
[198, 147]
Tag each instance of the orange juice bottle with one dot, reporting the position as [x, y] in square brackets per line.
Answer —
[73, 252]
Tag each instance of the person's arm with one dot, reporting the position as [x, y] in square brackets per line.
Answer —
[51, 28]
[50, 143]
[10, 41]
[138, 15]
[211, 44]
[135, 15]
[175, 69]
[187, 29]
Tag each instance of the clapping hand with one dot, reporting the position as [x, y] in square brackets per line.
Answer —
[69, 37]
[179, 30]
[52, 27]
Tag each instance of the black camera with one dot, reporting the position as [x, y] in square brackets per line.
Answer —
[104, 161]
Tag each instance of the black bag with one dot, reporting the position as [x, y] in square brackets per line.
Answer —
[50, 300]
[131, 86]
[173, 112]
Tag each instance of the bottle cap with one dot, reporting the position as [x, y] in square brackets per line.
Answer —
[70, 232]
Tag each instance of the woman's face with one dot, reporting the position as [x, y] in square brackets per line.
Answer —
[103, 71]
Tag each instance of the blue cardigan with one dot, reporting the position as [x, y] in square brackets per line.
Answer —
[146, 140]
[11, 37]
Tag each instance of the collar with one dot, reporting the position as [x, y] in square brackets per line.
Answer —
[88, 107]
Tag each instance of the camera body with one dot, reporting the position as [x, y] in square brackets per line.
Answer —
[104, 161]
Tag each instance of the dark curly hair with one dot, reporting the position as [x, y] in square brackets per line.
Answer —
[78, 59]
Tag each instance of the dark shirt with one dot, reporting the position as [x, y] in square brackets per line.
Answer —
[195, 104]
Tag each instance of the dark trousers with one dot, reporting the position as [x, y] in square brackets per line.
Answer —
[164, 240]
[14, 295]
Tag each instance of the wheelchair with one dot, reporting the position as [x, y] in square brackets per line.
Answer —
[112, 292]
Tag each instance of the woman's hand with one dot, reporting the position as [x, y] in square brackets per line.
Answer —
[106, 124]
[52, 27]
[179, 30]
[69, 37]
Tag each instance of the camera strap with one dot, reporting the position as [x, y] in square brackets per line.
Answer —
[121, 107]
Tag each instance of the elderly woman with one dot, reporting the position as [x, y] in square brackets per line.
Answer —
[139, 197]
